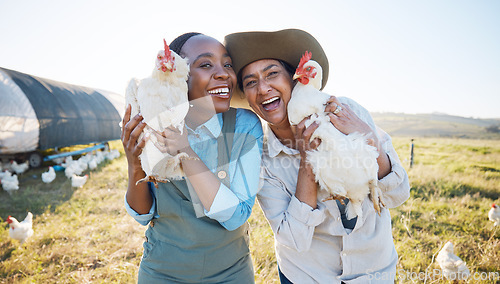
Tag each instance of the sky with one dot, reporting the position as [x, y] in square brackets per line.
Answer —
[407, 56]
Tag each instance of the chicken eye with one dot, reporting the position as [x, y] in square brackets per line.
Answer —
[159, 57]
[308, 69]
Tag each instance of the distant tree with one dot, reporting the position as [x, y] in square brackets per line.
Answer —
[493, 129]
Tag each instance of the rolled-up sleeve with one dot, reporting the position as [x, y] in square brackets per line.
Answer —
[396, 185]
[143, 219]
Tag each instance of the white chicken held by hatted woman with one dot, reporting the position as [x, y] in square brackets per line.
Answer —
[162, 100]
[21, 230]
[345, 166]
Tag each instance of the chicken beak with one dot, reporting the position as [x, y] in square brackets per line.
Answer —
[297, 76]
[170, 66]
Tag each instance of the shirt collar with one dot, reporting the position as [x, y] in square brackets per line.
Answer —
[213, 125]
[274, 146]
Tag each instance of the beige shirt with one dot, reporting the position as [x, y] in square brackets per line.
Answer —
[312, 246]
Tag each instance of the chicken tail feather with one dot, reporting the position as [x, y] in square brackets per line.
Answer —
[353, 209]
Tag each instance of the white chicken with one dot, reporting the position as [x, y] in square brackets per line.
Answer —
[345, 166]
[67, 161]
[49, 176]
[19, 168]
[112, 154]
[78, 181]
[5, 173]
[93, 163]
[162, 100]
[9, 182]
[21, 230]
[494, 214]
[452, 267]
[73, 168]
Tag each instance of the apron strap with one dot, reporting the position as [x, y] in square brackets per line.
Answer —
[225, 144]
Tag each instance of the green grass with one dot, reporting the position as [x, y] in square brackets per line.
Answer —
[85, 236]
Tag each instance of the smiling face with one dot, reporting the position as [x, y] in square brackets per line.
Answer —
[268, 87]
[211, 71]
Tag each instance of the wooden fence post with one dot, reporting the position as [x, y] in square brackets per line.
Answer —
[411, 153]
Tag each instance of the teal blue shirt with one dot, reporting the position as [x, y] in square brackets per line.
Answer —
[232, 206]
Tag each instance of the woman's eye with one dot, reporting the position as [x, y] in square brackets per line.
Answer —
[228, 65]
[272, 74]
[249, 84]
[205, 65]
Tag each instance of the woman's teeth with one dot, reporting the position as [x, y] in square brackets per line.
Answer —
[271, 104]
[219, 91]
[270, 100]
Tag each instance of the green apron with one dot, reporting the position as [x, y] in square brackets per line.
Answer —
[181, 248]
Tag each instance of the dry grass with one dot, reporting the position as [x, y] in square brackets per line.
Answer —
[85, 235]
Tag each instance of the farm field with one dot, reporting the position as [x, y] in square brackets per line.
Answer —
[84, 235]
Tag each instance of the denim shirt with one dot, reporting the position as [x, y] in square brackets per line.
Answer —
[232, 206]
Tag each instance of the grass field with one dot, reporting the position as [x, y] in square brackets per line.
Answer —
[85, 236]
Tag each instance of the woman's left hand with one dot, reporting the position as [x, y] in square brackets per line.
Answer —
[345, 120]
[171, 140]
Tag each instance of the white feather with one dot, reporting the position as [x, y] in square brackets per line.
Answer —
[162, 100]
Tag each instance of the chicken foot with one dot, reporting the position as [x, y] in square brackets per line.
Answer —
[154, 179]
[334, 197]
[376, 196]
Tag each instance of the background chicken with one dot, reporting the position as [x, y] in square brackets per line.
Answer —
[49, 176]
[78, 181]
[452, 267]
[163, 102]
[494, 214]
[19, 168]
[21, 230]
[345, 166]
[9, 182]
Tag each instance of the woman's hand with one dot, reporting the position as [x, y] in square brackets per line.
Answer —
[171, 140]
[346, 121]
[131, 130]
[306, 184]
[303, 135]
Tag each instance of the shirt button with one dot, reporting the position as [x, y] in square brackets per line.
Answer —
[338, 219]
[222, 174]
[344, 254]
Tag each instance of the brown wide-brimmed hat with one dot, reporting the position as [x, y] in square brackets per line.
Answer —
[288, 45]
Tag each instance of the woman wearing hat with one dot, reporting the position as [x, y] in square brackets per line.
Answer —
[315, 243]
[197, 229]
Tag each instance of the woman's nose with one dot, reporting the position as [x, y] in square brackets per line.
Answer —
[263, 88]
[221, 73]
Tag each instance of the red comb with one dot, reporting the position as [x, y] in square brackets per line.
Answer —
[306, 57]
[167, 49]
